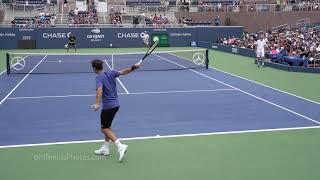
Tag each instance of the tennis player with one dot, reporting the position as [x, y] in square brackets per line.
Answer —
[145, 38]
[72, 42]
[107, 91]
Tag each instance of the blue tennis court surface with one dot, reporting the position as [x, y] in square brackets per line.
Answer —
[44, 108]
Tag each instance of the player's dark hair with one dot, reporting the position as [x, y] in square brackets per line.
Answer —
[97, 64]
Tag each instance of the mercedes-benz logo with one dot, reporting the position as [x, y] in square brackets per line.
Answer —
[18, 63]
[198, 58]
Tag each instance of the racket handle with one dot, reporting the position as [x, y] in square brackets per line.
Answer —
[140, 62]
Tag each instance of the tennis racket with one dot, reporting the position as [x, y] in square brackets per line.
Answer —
[150, 50]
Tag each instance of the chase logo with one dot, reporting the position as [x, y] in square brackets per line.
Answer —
[131, 35]
[68, 34]
[96, 30]
[56, 35]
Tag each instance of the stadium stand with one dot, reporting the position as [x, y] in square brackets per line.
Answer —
[150, 2]
[44, 20]
[301, 44]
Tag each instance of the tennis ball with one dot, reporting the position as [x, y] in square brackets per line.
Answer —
[59, 60]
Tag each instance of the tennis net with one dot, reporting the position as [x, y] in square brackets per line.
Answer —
[55, 63]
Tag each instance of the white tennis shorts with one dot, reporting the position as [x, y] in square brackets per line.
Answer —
[260, 54]
[146, 41]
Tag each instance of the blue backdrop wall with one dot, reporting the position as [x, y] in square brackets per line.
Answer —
[115, 37]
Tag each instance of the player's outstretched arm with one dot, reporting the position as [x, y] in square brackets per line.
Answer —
[129, 70]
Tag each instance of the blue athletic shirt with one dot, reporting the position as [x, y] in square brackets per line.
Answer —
[107, 80]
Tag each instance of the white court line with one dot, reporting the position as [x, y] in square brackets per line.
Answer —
[258, 83]
[43, 97]
[266, 86]
[22, 80]
[245, 92]
[163, 137]
[132, 93]
[119, 81]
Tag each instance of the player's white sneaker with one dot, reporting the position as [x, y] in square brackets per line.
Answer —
[122, 150]
[102, 151]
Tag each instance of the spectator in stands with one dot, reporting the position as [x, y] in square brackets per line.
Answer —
[135, 21]
[274, 50]
[183, 21]
[13, 23]
[66, 5]
[166, 4]
[41, 13]
[318, 48]
[112, 11]
[162, 2]
[52, 21]
[200, 3]
[217, 21]
[185, 4]
[123, 11]
[42, 19]
[76, 11]
[219, 7]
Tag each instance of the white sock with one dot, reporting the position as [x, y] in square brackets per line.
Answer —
[118, 144]
[106, 144]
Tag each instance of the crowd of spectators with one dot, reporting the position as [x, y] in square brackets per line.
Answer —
[190, 22]
[157, 21]
[41, 20]
[301, 42]
[116, 16]
[83, 18]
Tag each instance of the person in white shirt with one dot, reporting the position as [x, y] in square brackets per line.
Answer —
[318, 48]
[261, 44]
[76, 11]
[123, 11]
[145, 38]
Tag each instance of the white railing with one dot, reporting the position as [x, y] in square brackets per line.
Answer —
[213, 8]
[126, 25]
[28, 9]
[281, 27]
[303, 23]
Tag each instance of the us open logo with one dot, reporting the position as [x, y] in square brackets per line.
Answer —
[96, 36]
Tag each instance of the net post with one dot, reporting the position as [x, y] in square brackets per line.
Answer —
[207, 59]
[8, 63]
